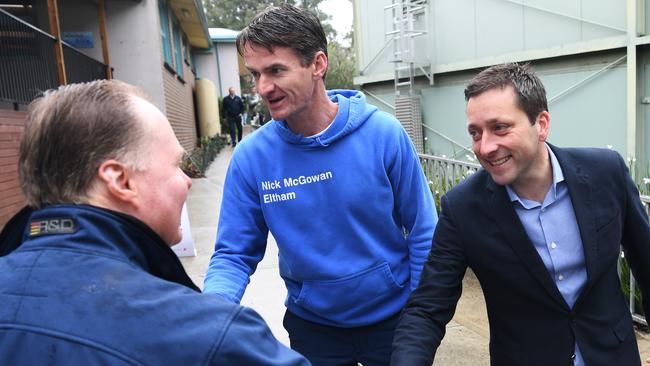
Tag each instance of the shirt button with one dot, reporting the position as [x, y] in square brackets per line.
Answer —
[560, 277]
[553, 245]
[543, 209]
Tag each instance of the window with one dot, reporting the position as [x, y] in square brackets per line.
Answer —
[186, 47]
[192, 62]
[178, 52]
[164, 31]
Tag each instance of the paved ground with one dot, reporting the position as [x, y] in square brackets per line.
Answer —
[466, 342]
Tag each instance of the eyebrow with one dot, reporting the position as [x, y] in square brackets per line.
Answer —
[489, 122]
[272, 66]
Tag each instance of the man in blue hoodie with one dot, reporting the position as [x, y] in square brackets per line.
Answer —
[339, 185]
[86, 273]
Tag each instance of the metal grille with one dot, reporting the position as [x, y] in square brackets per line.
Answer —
[408, 112]
[27, 63]
[80, 68]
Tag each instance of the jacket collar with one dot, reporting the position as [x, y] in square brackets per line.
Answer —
[90, 228]
[581, 196]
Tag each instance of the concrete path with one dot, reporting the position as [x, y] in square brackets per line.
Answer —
[467, 338]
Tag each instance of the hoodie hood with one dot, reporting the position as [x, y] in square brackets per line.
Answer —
[353, 112]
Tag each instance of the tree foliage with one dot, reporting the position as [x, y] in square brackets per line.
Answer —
[341, 65]
[237, 14]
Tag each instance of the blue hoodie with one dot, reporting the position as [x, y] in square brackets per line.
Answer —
[350, 210]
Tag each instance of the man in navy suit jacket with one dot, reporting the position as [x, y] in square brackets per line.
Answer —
[541, 227]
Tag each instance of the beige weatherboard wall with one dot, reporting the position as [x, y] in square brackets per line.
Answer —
[227, 59]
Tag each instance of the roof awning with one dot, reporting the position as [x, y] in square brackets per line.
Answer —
[193, 21]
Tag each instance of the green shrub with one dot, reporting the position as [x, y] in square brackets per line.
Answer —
[196, 163]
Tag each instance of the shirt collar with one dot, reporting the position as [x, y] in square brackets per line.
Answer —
[558, 177]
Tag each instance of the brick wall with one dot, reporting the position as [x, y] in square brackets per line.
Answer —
[179, 106]
[12, 124]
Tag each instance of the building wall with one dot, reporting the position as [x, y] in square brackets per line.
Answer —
[178, 92]
[461, 34]
[135, 46]
[495, 27]
[593, 59]
[180, 110]
[11, 128]
[82, 16]
[134, 43]
[228, 68]
[371, 24]
[206, 66]
[592, 114]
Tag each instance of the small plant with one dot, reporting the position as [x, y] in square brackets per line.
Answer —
[624, 275]
[196, 163]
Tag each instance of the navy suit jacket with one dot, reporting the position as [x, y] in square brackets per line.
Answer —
[530, 323]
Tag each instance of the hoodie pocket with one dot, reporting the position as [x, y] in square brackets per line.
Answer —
[350, 296]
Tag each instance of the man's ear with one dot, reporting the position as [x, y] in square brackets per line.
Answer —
[544, 120]
[117, 180]
[320, 65]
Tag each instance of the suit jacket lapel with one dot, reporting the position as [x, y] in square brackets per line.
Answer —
[516, 236]
[582, 196]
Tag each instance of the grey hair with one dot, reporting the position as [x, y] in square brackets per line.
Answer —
[70, 132]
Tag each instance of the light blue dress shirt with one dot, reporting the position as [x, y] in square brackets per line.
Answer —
[553, 229]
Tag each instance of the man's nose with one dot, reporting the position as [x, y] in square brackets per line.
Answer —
[487, 144]
[264, 86]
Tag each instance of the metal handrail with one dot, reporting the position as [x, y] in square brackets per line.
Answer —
[444, 173]
[28, 63]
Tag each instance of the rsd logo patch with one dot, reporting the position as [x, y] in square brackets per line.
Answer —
[61, 225]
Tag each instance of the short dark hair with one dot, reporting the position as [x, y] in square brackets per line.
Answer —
[531, 95]
[285, 26]
[69, 132]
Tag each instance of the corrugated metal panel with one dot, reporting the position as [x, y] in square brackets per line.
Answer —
[408, 112]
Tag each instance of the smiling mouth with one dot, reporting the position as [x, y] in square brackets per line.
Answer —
[274, 101]
[499, 162]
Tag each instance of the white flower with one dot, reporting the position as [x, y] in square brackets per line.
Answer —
[646, 180]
